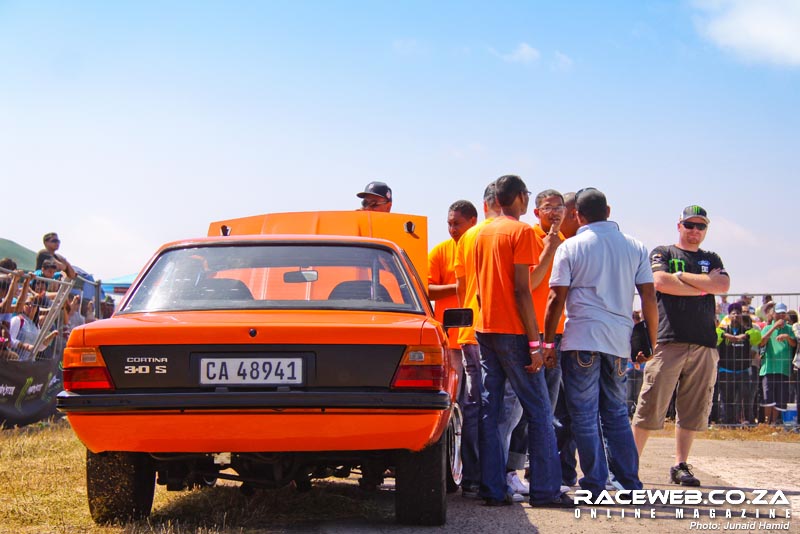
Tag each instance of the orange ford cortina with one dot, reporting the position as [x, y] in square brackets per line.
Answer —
[269, 360]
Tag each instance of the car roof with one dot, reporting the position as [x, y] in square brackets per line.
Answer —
[283, 239]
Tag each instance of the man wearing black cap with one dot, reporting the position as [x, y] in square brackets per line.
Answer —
[686, 279]
[377, 196]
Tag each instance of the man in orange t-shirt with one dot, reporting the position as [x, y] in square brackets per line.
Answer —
[546, 239]
[510, 350]
[470, 399]
[461, 216]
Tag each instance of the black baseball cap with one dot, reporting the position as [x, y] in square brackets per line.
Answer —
[694, 211]
[379, 189]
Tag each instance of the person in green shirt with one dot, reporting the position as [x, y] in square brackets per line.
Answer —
[779, 343]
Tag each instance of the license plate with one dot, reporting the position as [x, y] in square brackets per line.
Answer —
[251, 371]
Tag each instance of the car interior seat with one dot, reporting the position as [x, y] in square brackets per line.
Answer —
[359, 290]
[223, 289]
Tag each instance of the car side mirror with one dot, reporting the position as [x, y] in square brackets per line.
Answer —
[457, 317]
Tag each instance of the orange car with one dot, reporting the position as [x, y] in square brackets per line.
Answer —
[268, 359]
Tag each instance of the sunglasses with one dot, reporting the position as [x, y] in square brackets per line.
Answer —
[372, 203]
[54, 241]
[549, 209]
[693, 225]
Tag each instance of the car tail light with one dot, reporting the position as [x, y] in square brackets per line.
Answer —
[84, 368]
[420, 368]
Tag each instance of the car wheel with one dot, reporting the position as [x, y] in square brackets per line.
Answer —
[420, 485]
[455, 466]
[120, 485]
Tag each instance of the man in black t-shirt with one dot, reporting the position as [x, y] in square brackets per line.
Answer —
[686, 279]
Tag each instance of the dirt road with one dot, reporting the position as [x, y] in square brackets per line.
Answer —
[720, 465]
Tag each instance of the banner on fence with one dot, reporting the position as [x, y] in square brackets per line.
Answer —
[28, 391]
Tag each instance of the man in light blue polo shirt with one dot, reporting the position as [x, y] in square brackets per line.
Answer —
[595, 274]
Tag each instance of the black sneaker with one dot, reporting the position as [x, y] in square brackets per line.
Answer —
[495, 502]
[562, 501]
[682, 474]
[470, 490]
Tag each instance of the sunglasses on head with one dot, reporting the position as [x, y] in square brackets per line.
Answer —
[692, 225]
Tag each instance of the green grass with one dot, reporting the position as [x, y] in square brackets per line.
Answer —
[42, 475]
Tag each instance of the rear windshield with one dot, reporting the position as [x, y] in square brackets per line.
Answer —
[275, 276]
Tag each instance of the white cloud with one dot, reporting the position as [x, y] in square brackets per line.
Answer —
[761, 31]
[563, 62]
[524, 53]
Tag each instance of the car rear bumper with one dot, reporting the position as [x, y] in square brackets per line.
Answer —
[256, 422]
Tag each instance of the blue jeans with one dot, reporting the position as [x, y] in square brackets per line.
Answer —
[594, 384]
[470, 406]
[553, 376]
[504, 356]
[510, 419]
[566, 441]
[518, 444]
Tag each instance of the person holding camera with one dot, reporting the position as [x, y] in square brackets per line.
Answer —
[595, 274]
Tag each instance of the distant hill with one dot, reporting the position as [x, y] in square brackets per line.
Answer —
[25, 258]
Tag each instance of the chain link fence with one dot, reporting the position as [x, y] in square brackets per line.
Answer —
[739, 395]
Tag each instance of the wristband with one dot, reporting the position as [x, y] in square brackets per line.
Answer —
[534, 344]
[549, 345]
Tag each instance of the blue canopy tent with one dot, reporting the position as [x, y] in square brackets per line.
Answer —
[118, 286]
[87, 289]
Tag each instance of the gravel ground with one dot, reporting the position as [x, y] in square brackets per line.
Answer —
[720, 465]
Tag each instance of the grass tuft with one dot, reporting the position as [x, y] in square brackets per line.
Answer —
[42, 473]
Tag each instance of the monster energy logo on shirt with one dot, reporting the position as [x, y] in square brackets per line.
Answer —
[677, 265]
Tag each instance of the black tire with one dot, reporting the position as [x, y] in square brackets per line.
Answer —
[120, 486]
[455, 466]
[420, 485]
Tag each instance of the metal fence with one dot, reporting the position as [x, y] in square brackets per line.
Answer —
[739, 392]
[40, 312]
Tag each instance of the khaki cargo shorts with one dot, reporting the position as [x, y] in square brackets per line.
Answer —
[693, 369]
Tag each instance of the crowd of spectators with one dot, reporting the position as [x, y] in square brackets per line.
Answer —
[758, 373]
[27, 298]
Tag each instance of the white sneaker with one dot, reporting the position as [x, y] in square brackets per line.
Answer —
[613, 484]
[516, 485]
[565, 489]
[516, 497]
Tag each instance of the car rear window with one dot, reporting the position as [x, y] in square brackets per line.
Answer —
[275, 276]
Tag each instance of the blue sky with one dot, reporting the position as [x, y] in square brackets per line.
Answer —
[124, 125]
